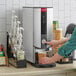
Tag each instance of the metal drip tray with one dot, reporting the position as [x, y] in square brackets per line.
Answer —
[45, 65]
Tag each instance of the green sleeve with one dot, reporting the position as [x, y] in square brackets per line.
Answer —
[69, 46]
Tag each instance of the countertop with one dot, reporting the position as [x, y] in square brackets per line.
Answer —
[30, 70]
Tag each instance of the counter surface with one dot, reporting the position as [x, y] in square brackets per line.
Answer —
[30, 70]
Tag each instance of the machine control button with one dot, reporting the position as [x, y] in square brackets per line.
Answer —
[43, 41]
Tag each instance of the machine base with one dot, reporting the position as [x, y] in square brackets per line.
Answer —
[45, 65]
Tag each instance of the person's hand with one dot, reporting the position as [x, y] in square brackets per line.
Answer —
[53, 43]
[45, 60]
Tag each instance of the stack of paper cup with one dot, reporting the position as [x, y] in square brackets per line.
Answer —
[58, 34]
[55, 27]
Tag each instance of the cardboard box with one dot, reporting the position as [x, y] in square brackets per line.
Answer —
[2, 60]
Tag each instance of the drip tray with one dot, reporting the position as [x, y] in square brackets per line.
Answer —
[45, 65]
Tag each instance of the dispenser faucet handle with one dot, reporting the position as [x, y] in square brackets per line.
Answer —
[43, 41]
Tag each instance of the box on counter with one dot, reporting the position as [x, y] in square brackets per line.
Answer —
[2, 60]
[1, 53]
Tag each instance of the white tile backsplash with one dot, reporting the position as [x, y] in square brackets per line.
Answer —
[43, 3]
[2, 11]
[8, 2]
[16, 2]
[29, 3]
[3, 38]
[49, 3]
[63, 10]
[2, 2]
[36, 3]
[61, 5]
[2, 25]
[22, 3]
[61, 14]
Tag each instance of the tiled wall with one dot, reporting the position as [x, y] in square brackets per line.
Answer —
[64, 11]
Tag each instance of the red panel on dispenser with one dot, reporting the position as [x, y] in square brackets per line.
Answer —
[43, 9]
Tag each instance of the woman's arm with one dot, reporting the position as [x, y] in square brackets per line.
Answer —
[62, 41]
[55, 43]
[56, 57]
[47, 60]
